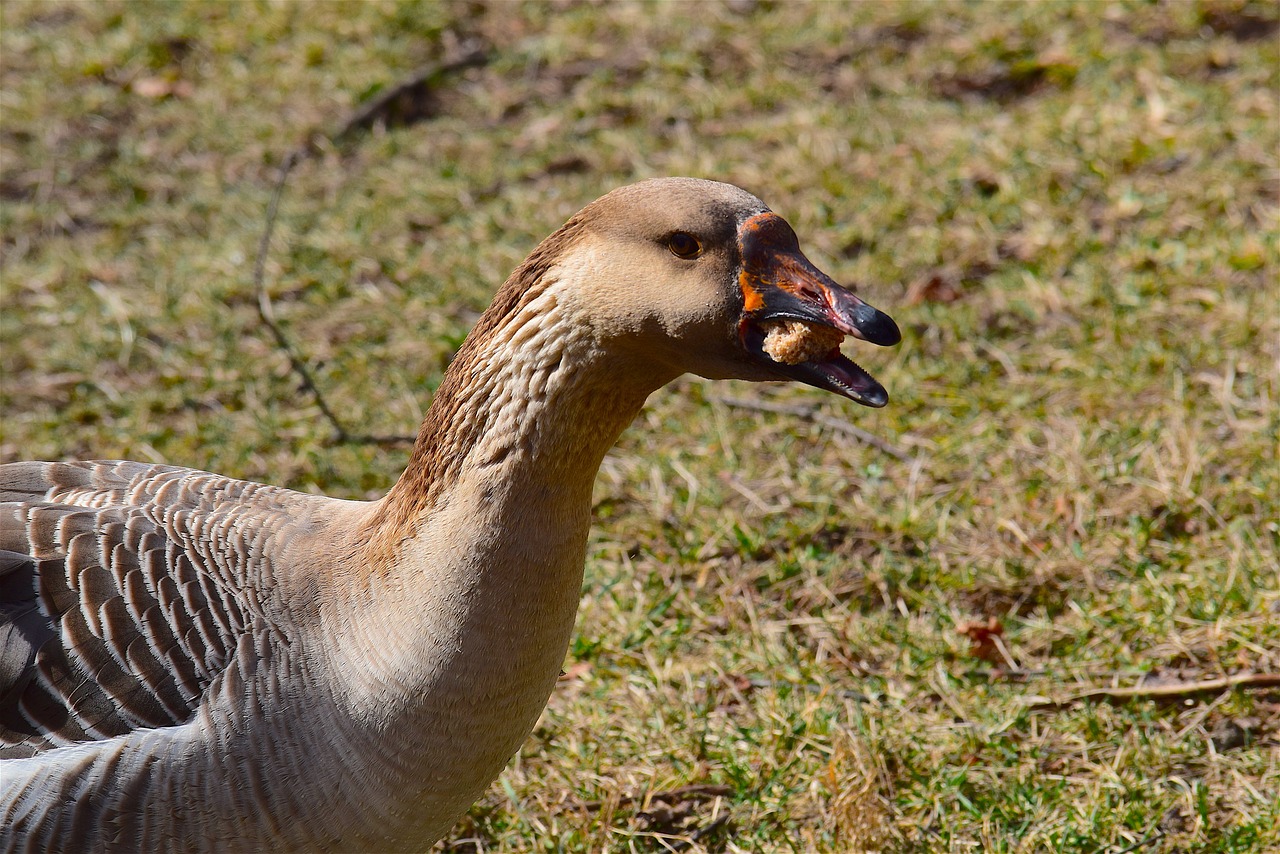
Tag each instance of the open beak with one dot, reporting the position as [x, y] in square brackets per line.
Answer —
[780, 284]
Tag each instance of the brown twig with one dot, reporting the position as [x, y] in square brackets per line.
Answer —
[381, 108]
[812, 414]
[1169, 690]
[814, 687]
[696, 790]
[266, 311]
[404, 102]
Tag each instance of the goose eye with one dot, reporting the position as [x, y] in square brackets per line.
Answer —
[683, 245]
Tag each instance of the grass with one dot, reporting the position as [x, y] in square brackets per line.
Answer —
[1070, 208]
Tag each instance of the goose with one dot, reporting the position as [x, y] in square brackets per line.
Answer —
[197, 663]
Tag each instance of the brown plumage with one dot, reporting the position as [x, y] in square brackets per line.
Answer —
[192, 662]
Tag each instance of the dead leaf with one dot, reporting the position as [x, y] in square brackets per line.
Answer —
[934, 287]
[982, 638]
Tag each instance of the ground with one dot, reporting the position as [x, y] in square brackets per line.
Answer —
[791, 638]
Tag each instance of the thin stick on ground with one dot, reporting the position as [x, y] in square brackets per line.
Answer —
[388, 107]
[1169, 690]
[410, 99]
[812, 414]
[696, 790]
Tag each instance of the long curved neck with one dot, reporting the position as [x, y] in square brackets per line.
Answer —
[527, 411]
[531, 403]
[474, 564]
[488, 526]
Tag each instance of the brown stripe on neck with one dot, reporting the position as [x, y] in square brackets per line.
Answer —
[448, 432]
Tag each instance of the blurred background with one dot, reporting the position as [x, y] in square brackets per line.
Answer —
[794, 635]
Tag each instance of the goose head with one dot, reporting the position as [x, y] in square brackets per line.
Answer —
[689, 275]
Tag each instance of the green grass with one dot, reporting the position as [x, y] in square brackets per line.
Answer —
[1071, 210]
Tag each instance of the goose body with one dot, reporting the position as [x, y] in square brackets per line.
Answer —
[192, 662]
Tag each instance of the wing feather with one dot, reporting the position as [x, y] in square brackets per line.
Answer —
[122, 596]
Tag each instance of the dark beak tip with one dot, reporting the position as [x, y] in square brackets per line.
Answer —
[875, 397]
[888, 333]
[875, 326]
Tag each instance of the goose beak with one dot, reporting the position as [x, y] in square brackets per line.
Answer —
[780, 284]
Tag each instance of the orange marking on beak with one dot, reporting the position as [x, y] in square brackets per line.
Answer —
[752, 299]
